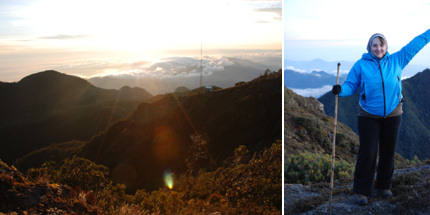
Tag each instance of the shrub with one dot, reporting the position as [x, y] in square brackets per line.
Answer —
[75, 172]
[84, 173]
[308, 168]
[400, 162]
[244, 185]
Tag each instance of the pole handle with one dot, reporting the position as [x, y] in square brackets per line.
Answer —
[337, 77]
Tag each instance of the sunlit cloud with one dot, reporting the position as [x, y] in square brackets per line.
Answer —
[166, 67]
[275, 10]
[143, 24]
[66, 37]
[50, 34]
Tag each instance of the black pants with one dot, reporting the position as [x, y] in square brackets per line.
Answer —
[372, 131]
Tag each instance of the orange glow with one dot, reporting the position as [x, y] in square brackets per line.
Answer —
[165, 143]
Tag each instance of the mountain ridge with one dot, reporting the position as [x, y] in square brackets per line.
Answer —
[49, 106]
[165, 130]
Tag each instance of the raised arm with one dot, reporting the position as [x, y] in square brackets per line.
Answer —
[405, 55]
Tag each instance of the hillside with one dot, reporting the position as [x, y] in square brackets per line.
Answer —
[50, 107]
[414, 137]
[163, 134]
[309, 129]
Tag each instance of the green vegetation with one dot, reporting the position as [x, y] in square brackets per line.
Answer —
[401, 163]
[309, 168]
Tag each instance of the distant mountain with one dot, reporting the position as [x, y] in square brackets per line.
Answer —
[318, 65]
[50, 107]
[331, 66]
[414, 136]
[161, 135]
[185, 72]
[314, 79]
[308, 129]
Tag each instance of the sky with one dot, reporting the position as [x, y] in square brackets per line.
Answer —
[338, 30]
[48, 34]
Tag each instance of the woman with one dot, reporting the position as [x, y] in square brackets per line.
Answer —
[378, 75]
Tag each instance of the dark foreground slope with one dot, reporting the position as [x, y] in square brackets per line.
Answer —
[414, 137]
[19, 195]
[159, 135]
[50, 107]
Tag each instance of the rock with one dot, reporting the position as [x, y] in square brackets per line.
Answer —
[295, 193]
[18, 195]
[343, 205]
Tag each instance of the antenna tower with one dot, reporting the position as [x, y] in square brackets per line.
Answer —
[201, 66]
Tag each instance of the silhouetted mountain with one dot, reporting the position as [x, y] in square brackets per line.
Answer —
[308, 129]
[161, 135]
[182, 90]
[50, 107]
[414, 138]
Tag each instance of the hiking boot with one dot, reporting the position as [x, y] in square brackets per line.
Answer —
[360, 199]
[385, 193]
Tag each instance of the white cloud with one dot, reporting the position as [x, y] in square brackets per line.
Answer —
[166, 67]
[313, 92]
[296, 70]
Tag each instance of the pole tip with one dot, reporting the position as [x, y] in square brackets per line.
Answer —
[338, 64]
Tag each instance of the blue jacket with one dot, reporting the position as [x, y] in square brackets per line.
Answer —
[380, 80]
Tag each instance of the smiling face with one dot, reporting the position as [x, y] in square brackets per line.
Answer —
[378, 48]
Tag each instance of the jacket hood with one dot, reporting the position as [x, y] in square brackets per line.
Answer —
[369, 44]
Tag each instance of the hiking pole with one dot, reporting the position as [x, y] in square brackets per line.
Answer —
[333, 149]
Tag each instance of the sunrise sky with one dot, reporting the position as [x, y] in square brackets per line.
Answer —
[52, 34]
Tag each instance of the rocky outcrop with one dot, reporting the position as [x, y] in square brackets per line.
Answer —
[18, 195]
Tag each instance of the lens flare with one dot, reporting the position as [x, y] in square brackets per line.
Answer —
[168, 178]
